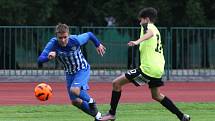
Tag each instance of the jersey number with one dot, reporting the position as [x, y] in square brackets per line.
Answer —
[159, 46]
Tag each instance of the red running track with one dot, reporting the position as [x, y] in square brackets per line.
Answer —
[22, 93]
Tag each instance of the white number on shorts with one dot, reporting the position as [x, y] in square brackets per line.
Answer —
[132, 71]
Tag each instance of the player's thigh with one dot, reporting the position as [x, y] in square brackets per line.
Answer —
[79, 80]
[75, 90]
[121, 80]
[155, 92]
[135, 76]
[72, 96]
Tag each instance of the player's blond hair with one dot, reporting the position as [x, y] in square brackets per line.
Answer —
[61, 28]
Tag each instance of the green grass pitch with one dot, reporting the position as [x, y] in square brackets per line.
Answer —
[126, 112]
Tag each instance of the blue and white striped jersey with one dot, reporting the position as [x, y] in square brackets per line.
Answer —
[70, 56]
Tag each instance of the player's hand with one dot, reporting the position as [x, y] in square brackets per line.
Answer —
[52, 55]
[101, 50]
[132, 43]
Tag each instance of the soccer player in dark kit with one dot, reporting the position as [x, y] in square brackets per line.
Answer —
[150, 70]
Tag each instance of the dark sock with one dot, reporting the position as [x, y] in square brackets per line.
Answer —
[166, 102]
[84, 95]
[93, 109]
[114, 102]
[85, 107]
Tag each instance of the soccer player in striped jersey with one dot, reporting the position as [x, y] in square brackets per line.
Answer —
[150, 70]
[67, 49]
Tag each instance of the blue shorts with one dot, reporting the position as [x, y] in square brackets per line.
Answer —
[79, 79]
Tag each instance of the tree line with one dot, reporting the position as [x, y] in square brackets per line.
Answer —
[94, 12]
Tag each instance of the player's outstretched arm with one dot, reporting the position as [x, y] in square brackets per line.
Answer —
[146, 36]
[44, 56]
[101, 50]
[83, 38]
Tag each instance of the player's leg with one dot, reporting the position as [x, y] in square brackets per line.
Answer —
[82, 104]
[81, 80]
[77, 87]
[168, 104]
[116, 94]
[77, 102]
[91, 102]
[117, 83]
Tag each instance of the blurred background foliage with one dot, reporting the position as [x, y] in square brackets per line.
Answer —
[94, 12]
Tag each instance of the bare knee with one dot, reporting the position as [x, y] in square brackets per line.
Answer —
[75, 90]
[158, 97]
[119, 82]
[116, 86]
[76, 102]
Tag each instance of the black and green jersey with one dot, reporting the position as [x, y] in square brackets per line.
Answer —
[151, 53]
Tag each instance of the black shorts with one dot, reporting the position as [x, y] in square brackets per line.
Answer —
[138, 78]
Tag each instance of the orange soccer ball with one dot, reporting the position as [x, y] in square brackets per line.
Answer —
[43, 91]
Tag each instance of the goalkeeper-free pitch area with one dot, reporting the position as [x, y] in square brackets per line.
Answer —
[18, 102]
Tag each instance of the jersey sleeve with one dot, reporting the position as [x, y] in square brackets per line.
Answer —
[48, 48]
[85, 37]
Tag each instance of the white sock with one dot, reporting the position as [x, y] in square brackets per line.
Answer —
[91, 100]
[98, 115]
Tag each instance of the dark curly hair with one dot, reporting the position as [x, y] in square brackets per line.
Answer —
[148, 12]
